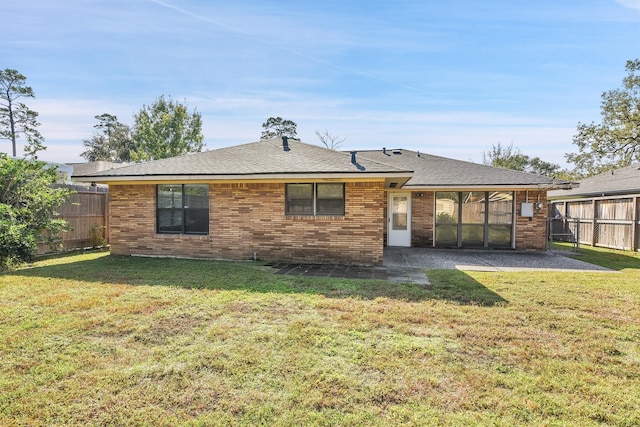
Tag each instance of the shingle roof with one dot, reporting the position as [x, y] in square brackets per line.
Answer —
[256, 158]
[619, 181]
[434, 171]
[269, 158]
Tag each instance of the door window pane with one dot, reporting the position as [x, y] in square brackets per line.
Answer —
[399, 213]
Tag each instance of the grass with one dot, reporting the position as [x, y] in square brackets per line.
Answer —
[95, 339]
[610, 258]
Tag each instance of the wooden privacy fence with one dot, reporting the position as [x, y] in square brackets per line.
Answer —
[607, 222]
[86, 213]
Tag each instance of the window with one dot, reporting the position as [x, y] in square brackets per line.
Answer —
[329, 199]
[182, 209]
[473, 208]
[300, 199]
[500, 219]
[447, 213]
[400, 213]
[474, 219]
[315, 199]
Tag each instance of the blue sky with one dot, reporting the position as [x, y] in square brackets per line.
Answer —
[447, 78]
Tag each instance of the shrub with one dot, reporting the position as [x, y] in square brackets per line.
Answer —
[27, 208]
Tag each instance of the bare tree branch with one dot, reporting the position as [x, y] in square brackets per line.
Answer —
[332, 142]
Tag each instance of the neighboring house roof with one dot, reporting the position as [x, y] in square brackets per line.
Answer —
[91, 167]
[269, 159]
[618, 181]
[434, 172]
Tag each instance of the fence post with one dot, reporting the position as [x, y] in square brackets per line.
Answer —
[635, 245]
[106, 218]
[596, 231]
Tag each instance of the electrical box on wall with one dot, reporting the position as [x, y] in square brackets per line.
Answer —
[526, 209]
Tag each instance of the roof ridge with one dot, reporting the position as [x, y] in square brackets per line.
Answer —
[269, 156]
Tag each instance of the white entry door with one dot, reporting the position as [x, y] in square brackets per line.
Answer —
[399, 216]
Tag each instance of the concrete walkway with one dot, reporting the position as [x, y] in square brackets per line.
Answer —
[483, 260]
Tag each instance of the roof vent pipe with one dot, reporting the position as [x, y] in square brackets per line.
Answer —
[384, 151]
[285, 143]
[353, 157]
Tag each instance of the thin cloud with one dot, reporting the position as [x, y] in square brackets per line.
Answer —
[74, 118]
[452, 77]
[280, 46]
[631, 4]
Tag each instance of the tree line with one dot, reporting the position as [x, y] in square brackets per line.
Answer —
[167, 128]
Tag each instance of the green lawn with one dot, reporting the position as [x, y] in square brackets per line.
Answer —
[95, 339]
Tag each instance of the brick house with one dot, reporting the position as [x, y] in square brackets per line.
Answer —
[457, 204]
[287, 200]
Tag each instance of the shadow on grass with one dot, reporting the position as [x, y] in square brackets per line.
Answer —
[450, 285]
[456, 285]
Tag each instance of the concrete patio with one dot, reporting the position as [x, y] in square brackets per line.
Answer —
[483, 260]
[408, 265]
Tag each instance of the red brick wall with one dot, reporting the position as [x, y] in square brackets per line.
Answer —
[247, 218]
